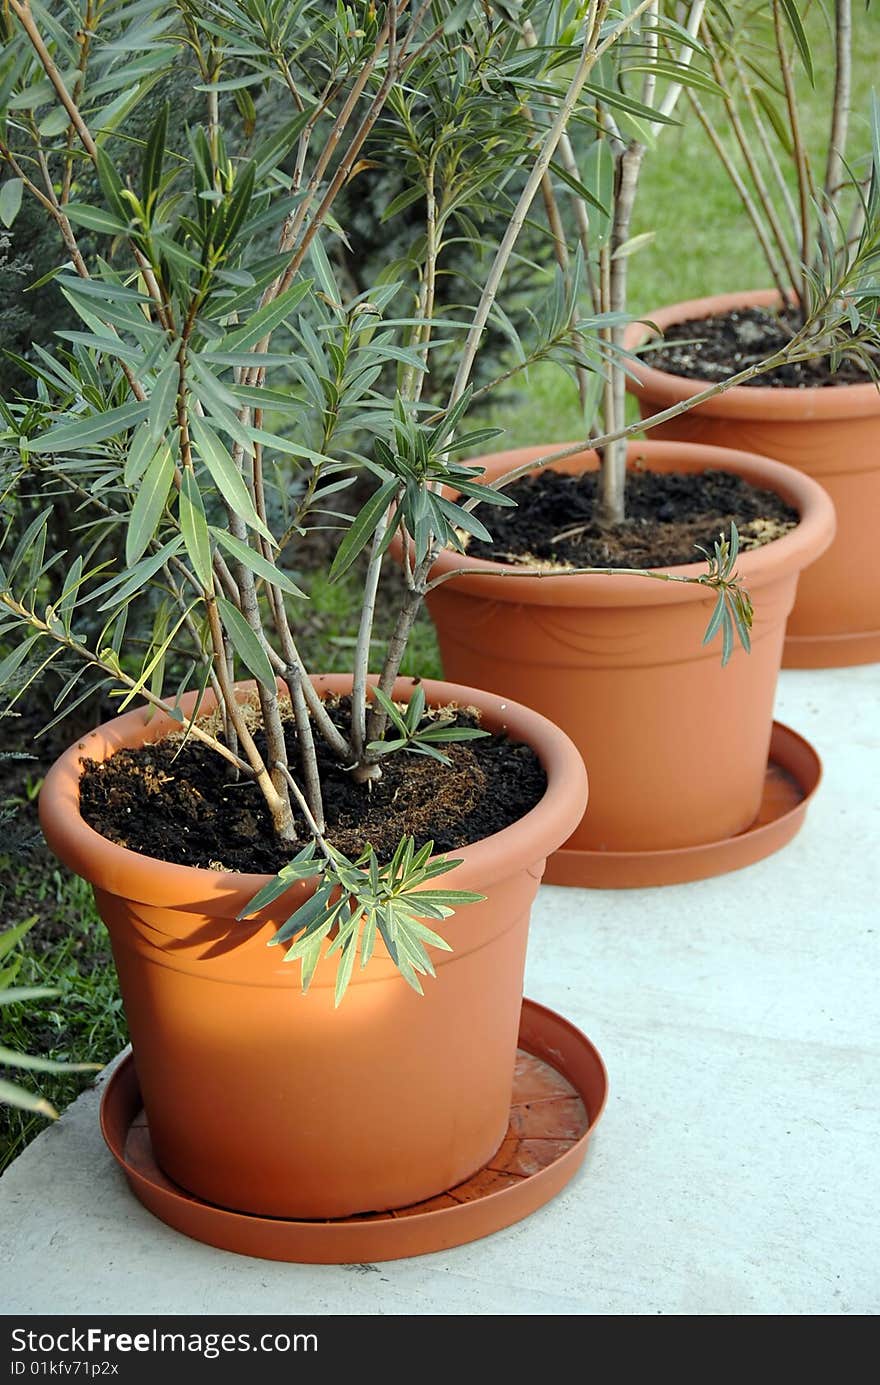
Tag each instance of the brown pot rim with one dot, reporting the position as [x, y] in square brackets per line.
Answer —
[741, 401]
[791, 552]
[149, 880]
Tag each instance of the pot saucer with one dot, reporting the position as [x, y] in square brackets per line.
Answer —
[559, 1092]
[793, 774]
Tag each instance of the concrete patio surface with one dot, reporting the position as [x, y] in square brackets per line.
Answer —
[736, 1170]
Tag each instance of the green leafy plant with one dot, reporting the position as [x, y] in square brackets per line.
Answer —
[221, 389]
[361, 900]
[733, 607]
[419, 733]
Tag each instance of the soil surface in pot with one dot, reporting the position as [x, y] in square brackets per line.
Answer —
[713, 348]
[179, 804]
[668, 514]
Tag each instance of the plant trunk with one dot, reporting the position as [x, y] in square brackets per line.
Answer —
[612, 485]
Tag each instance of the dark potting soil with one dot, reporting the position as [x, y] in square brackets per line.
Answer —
[668, 513]
[713, 348]
[180, 806]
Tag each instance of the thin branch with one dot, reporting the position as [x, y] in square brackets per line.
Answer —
[803, 175]
[278, 804]
[768, 210]
[569, 162]
[560, 250]
[590, 54]
[588, 58]
[766, 142]
[777, 272]
[84, 38]
[673, 92]
[834, 168]
[652, 45]
[784, 356]
[25, 17]
[74, 647]
[496, 570]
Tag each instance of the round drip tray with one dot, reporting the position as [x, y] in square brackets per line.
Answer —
[793, 774]
[559, 1092]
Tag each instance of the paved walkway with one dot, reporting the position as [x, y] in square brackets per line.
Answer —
[735, 1171]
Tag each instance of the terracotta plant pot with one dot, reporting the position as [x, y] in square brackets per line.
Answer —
[675, 745]
[267, 1101]
[830, 433]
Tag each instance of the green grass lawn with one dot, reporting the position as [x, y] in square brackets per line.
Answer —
[703, 245]
[83, 1022]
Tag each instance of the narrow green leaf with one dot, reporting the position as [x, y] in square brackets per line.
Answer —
[9, 1058]
[346, 966]
[10, 200]
[226, 475]
[272, 151]
[69, 591]
[402, 201]
[155, 658]
[415, 709]
[795, 23]
[159, 635]
[246, 643]
[111, 185]
[448, 898]
[154, 153]
[16, 658]
[33, 534]
[391, 710]
[463, 519]
[308, 917]
[485, 494]
[240, 201]
[734, 545]
[256, 563]
[106, 290]
[194, 527]
[301, 867]
[715, 619]
[362, 528]
[324, 271]
[619, 101]
[162, 399]
[727, 640]
[13, 936]
[774, 115]
[579, 187]
[428, 936]
[109, 346]
[95, 219]
[140, 454]
[148, 505]
[629, 247]
[13, 1095]
[131, 580]
[22, 993]
[266, 319]
[443, 734]
[88, 431]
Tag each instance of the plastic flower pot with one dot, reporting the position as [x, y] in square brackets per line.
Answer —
[830, 433]
[676, 746]
[268, 1101]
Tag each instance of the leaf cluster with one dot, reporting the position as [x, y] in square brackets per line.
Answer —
[355, 903]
